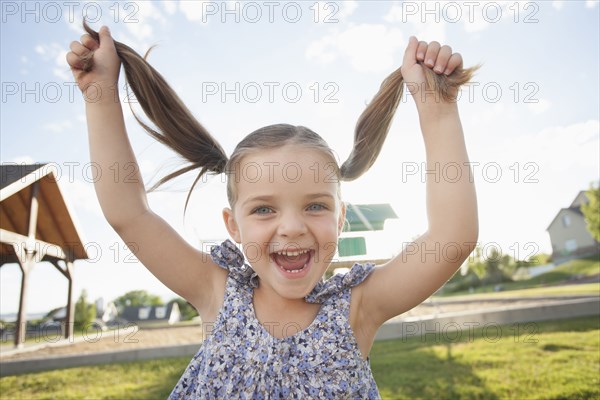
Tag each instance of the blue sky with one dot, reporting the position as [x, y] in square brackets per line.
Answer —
[531, 120]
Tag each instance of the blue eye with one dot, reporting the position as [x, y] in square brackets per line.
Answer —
[316, 207]
[261, 210]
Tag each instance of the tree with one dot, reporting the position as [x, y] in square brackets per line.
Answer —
[137, 298]
[476, 263]
[186, 309]
[492, 267]
[591, 211]
[538, 259]
[85, 313]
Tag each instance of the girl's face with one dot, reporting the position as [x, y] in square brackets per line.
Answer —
[287, 217]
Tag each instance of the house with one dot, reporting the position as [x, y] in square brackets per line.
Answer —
[361, 240]
[106, 313]
[569, 234]
[362, 219]
[147, 315]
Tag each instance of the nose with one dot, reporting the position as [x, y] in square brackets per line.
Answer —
[291, 225]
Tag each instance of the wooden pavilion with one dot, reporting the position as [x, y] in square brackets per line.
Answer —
[37, 225]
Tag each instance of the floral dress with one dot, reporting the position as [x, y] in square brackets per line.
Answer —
[240, 359]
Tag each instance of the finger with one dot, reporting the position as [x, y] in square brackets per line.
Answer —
[106, 39]
[432, 52]
[410, 52]
[442, 59]
[74, 61]
[421, 51]
[89, 42]
[454, 62]
[79, 49]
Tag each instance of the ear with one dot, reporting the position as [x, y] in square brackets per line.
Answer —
[231, 225]
[342, 218]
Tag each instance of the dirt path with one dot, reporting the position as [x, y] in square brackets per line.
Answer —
[123, 339]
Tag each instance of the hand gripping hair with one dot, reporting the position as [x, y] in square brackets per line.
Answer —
[180, 131]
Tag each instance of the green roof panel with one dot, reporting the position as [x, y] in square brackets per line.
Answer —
[367, 217]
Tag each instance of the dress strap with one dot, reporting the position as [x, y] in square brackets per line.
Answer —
[228, 256]
[339, 282]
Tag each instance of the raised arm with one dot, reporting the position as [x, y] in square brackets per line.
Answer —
[428, 262]
[122, 196]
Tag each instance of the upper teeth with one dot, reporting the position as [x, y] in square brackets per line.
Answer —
[291, 253]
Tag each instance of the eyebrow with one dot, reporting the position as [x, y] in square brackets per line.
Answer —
[267, 198]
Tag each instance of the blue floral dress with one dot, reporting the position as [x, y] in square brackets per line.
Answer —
[240, 359]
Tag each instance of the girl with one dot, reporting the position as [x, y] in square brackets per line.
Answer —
[278, 329]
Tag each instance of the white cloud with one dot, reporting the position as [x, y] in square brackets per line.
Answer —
[565, 149]
[25, 61]
[63, 74]
[169, 6]
[425, 27]
[328, 12]
[318, 50]
[145, 16]
[487, 115]
[80, 194]
[193, 10]
[486, 14]
[540, 107]
[369, 47]
[148, 167]
[348, 8]
[21, 160]
[430, 31]
[55, 53]
[75, 24]
[139, 30]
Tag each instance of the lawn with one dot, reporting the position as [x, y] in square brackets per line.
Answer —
[583, 289]
[564, 274]
[551, 360]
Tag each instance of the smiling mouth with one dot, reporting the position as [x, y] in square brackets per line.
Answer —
[292, 261]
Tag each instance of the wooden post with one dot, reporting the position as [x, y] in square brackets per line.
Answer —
[21, 328]
[70, 319]
[26, 262]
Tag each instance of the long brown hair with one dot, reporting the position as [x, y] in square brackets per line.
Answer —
[180, 131]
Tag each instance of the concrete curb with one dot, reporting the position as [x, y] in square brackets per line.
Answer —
[487, 318]
[404, 328]
[500, 299]
[59, 362]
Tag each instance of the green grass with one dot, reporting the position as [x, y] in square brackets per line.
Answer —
[555, 360]
[136, 380]
[563, 274]
[552, 360]
[583, 289]
[585, 266]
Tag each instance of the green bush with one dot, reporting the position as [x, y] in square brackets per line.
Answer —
[85, 313]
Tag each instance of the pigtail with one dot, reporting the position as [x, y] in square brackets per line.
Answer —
[374, 123]
[177, 127]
